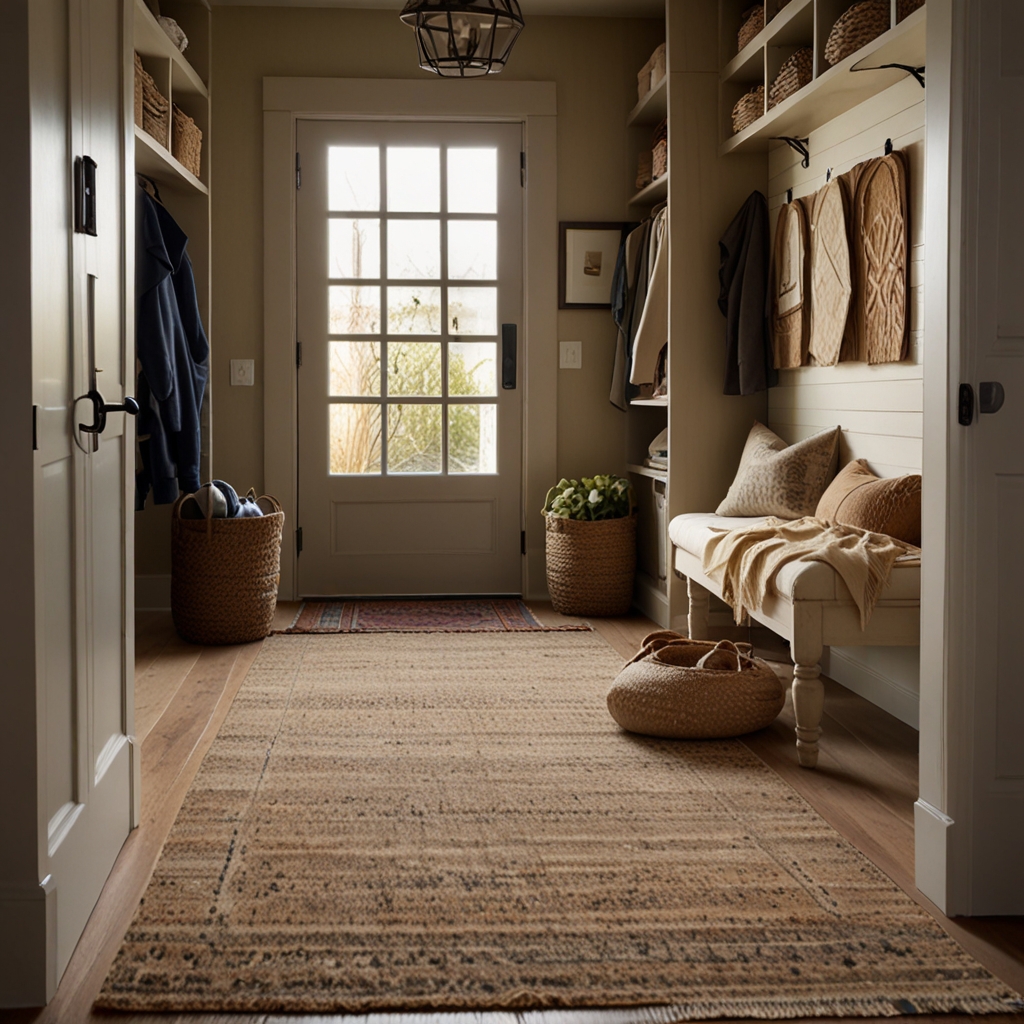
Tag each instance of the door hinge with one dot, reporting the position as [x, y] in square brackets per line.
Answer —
[522, 543]
[298, 172]
[298, 353]
[298, 541]
[522, 168]
[35, 428]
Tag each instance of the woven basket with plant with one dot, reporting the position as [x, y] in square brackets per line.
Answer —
[863, 22]
[748, 109]
[796, 71]
[590, 532]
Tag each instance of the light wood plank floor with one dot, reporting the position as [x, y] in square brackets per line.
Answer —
[865, 786]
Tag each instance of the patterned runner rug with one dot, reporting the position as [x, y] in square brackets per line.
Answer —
[477, 615]
[455, 823]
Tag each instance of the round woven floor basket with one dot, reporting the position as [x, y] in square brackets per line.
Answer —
[856, 28]
[796, 71]
[591, 566]
[748, 109]
[753, 22]
[224, 576]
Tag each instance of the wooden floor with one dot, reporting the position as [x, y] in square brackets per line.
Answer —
[865, 786]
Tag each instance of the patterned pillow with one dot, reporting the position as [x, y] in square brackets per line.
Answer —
[776, 479]
[859, 498]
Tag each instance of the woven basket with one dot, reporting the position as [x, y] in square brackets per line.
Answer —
[644, 168]
[224, 576]
[694, 689]
[748, 109]
[795, 73]
[904, 8]
[591, 565]
[863, 22]
[186, 141]
[753, 22]
[659, 160]
[156, 110]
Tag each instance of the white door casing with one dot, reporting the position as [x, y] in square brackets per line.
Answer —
[409, 266]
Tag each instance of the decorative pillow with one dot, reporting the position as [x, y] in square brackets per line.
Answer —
[776, 479]
[859, 498]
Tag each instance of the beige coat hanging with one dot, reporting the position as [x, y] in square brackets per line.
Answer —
[791, 304]
[830, 275]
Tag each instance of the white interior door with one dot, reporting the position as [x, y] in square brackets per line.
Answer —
[409, 295]
[82, 487]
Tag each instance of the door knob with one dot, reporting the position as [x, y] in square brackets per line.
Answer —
[100, 410]
[990, 396]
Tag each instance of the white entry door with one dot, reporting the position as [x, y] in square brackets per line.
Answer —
[83, 481]
[410, 417]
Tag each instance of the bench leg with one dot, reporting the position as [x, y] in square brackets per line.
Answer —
[808, 700]
[698, 617]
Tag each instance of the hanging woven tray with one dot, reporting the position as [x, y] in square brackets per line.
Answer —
[748, 109]
[753, 22]
[863, 22]
[795, 73]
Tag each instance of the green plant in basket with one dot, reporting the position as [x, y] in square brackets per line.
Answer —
[590, 499]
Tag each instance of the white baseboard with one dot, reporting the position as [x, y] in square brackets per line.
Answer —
[891, 695]
[153, 592]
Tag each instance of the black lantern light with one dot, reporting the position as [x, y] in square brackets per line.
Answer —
[464, 38]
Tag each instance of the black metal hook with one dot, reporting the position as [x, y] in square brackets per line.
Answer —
[888, 147]
[800, 145]
[917, 72]
[828, 175]
[789, 195]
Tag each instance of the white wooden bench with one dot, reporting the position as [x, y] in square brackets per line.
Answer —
[813, 609]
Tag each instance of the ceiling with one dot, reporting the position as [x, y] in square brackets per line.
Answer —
[581, 8]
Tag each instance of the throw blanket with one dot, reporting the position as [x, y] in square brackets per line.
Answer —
[744, 563]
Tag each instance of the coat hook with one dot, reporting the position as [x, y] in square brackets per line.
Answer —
[888, 147]
[828, 175]
[800, 145]
[917, 72]
[789, 195]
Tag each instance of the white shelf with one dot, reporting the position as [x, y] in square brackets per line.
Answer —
[653, 108]
[649, 471]
[660, 402]
[150, 40]
[157, 163]
[653, 193]
[792, 26]
[839, 88]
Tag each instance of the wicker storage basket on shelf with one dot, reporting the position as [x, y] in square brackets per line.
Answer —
[904, 8]
[224, 576]
[796, 71]
[753, 22]
[591, 565]
[186, 141]
[644, 168]
[659, 160]
[155, 110]
[748, 109]
[863, 22]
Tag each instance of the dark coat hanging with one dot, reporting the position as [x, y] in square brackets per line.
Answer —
[173, 353]
[743, 299]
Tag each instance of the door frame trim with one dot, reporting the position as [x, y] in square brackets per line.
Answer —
[286, 101]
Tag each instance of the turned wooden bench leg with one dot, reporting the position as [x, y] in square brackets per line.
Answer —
[697, 622]
[808, 696]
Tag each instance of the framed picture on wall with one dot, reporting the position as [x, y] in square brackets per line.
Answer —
[587, 251]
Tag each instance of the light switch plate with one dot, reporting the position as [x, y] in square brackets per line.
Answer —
[243, 373]
[570, 355]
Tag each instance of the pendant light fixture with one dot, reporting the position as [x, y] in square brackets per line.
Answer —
[464, 38]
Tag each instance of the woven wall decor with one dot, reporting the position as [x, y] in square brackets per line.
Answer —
[748, 109]
[796, 71]
[753, 22]
[863, 22]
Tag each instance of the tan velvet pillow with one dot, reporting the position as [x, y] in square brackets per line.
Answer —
[882, 505]
[776, 479]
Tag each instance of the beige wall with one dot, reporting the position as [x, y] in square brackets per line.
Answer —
[594, 63]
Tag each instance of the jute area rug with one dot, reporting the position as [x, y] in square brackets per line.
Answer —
[425, 822]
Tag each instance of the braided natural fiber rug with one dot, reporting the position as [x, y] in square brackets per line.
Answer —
[424, 821]
[470, 615]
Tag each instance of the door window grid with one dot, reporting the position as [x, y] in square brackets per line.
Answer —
[391, 406]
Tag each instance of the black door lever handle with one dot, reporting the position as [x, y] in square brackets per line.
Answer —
[100, 410]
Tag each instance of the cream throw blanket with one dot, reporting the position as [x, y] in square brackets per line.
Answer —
[744, 563]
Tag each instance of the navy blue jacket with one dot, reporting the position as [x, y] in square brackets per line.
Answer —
[173, 354]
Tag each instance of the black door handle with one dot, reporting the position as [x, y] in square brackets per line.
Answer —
[990, 396]
[509, 358]
[100, 410]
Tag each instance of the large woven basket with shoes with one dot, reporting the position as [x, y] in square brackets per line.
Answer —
[591, 565]
[694, 689]
[224, 574]
[863, 22]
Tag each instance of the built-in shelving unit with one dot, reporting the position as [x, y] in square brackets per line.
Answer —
[648, 471]
[653, 108]
[660, 402]
[656, 192]
[833, 89]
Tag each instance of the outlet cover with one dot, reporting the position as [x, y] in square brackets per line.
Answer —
[243, 373]
[570, 355]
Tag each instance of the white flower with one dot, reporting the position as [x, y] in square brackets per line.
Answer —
[594, 497]
[567, 493]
